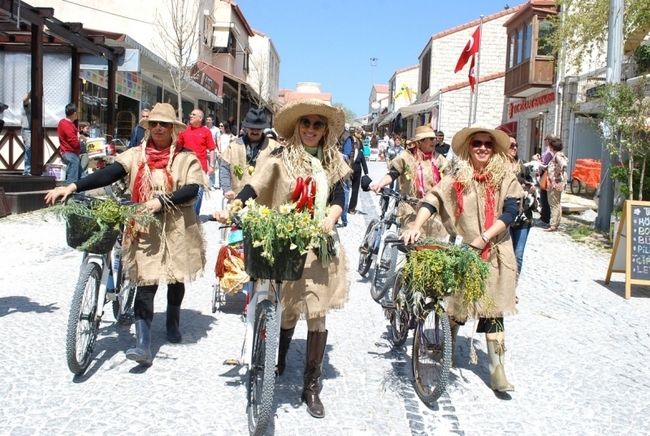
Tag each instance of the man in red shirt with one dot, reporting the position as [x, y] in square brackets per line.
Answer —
[69, 144]
[198, 138]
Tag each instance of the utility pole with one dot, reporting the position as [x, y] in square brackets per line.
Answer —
[614, 61]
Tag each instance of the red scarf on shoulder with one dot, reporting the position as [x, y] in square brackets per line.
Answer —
[490, 203]
[154, 159]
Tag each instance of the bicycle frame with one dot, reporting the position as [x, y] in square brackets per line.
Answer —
[260, 291]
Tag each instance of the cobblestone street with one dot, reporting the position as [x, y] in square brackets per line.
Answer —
[577, 353]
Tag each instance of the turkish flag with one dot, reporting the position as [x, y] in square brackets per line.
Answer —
[471, 48]
[472, 74]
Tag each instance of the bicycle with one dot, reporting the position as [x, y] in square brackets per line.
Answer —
[263, 315]
[101, 279]
[231, 236]
[432, 342]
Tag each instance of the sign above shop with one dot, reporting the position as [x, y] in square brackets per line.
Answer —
[530, 103]
[129, 61]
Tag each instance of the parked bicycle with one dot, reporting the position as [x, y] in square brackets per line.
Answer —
[374, 243]
[102, 279]
[432, 342]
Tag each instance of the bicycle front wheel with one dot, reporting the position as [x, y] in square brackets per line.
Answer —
[123, 304]
[261, 376]
[82, 323]
[399, 316]
[431, 356]
[384, 274]
[367, 247]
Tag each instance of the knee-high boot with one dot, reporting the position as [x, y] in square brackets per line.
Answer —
[283, 348]
[496, 354]
[316, 342]
[142, 351]
[173, 319]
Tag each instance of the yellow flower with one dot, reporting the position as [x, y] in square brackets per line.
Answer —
[289, 227]
[286, 208]
[265, 211]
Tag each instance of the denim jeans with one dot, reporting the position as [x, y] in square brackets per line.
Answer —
[519, 236]
[347, 186]
[73, 170]
[199, 201]
[26, 135]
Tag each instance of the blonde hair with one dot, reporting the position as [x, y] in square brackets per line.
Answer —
[498, 165]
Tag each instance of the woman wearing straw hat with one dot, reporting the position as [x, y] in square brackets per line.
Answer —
[311, 129]
[479, 202]
[166, 180]
[417, 171]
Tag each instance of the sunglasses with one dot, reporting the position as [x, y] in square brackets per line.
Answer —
[488, 144]
[154, 124]
[220, 125]
[318, 125]
[513, 146]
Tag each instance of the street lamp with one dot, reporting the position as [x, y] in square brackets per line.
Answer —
[373, 64]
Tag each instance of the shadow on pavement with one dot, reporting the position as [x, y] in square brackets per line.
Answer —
[618, 288]
[9, 305]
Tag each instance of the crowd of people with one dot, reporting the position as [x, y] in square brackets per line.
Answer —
[477, 188]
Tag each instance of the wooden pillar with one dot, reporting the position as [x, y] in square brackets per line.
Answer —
[38, 141]
[74, 79]
[110, 110]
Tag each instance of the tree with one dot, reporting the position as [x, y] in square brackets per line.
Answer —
[258, 78]
[581, 31]
[179, 42]
[626, 130]
[349, 115]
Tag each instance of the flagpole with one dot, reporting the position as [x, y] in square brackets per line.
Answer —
[478, 68]
[471, 99]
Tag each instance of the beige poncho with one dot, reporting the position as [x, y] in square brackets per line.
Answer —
[178, 255]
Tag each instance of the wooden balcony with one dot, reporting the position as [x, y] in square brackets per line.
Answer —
[530, 77]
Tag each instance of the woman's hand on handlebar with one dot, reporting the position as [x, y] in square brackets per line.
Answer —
[60, 191]
[411, 235]
[221, 215]
[375, 187]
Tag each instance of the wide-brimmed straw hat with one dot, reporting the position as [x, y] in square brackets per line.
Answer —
[163, 112]
[288, 116]
[422, 132]
[461, 139]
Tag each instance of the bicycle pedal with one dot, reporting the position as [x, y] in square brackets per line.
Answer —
[234, 362]
[364, 250]
[389, 305]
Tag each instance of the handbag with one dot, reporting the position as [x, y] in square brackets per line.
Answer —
[365, 182]
[543, 183]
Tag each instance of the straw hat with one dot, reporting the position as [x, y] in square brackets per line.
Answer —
[461, 139]
[422, 132]
[163, 112]
[288, 116]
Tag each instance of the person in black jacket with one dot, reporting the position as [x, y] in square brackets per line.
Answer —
[358, 164]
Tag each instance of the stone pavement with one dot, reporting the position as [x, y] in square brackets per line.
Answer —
[577, 354]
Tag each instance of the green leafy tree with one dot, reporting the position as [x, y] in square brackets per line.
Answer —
[626, 115]
[349, 115]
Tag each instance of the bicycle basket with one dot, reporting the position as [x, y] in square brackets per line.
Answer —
[80, 229]
[288, 265]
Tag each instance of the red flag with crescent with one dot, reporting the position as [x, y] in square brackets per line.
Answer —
[471, 48]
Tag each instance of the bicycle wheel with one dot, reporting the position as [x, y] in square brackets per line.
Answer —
[123, 304]
[399, 316]
[431, 356]
[218, 297]
[366, 248]
[82, 325]
[384, 274]
[261, 376]
[576, 186]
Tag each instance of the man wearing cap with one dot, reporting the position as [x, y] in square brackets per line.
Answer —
[238, 161]
[198, 138]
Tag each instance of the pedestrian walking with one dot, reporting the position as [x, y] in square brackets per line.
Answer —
[557, 178]
[358, 167]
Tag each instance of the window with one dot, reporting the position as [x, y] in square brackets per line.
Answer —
[223, 41]
[543, 44]
[528, 40]
[246, 62]
[520, 46]
[425, 71]
[511, 51]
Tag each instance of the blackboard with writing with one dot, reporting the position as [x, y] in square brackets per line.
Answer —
[640, 242]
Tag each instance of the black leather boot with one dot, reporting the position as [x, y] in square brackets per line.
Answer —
[283, 348]
[142, 351]
[316, 342]
[173, 319]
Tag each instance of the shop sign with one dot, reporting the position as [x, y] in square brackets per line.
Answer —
[515, 108]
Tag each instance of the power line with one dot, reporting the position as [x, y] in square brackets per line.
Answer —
[106, 12]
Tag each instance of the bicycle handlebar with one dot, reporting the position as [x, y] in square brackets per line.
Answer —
[87, 198]
[395, 194]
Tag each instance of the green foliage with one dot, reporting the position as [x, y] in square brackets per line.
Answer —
[642, 59]
[349, 115]
[432, 274]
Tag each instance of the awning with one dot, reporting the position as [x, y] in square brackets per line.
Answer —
[387, 118]
[509, 128]
[419, 108]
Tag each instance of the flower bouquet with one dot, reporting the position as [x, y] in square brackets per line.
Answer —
[441, 270]
[93, 224]
[276, 240]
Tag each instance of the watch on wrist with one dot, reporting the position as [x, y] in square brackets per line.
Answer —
[485, 238]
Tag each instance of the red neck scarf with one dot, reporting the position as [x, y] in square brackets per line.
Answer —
[490, 203]
[154, 159]
[419, 179]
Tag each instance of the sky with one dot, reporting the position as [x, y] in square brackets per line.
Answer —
[331, 42]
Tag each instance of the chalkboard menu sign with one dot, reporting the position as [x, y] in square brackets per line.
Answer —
[631, 252]
[640, 240]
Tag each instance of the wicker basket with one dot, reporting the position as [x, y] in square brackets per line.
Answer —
[288, 265]
[79, 229]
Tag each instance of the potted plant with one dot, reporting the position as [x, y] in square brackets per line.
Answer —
[440, 270]
[276, 240]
